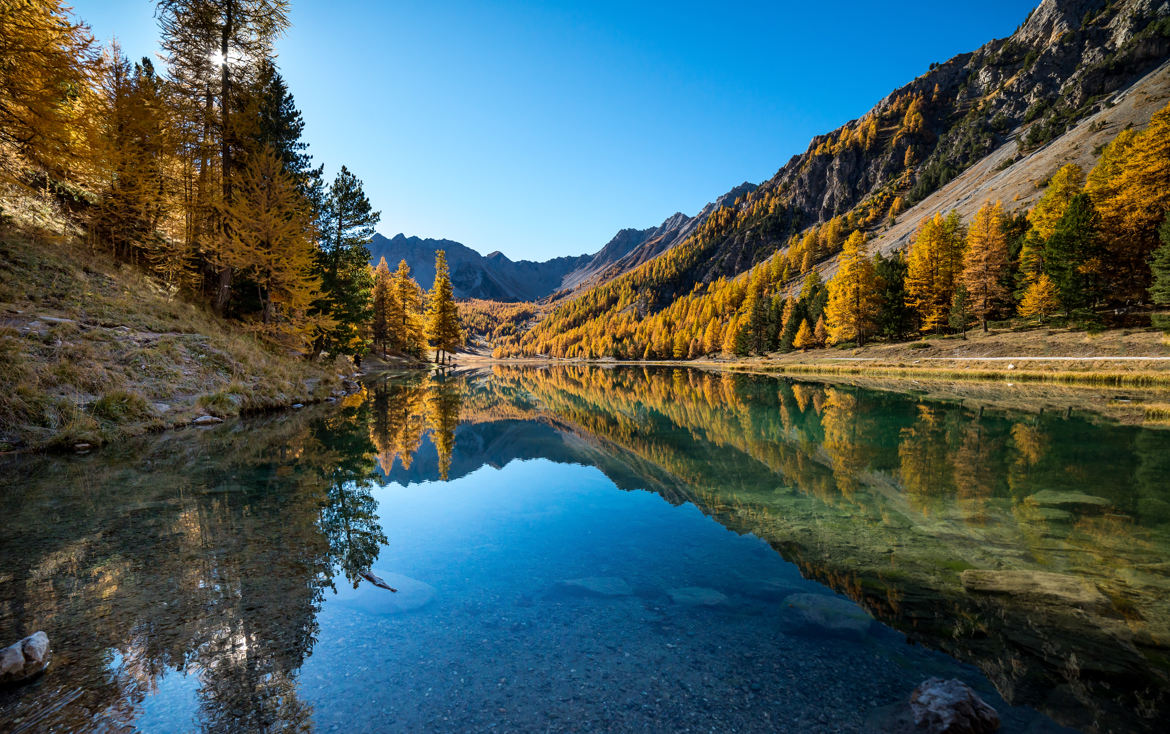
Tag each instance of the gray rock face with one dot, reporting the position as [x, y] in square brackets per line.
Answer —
[25, 659]
[598, 586]
[829, 615]
[951, 706]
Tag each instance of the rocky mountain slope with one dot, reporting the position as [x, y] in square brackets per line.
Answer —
[1011, 111]
[631, 247]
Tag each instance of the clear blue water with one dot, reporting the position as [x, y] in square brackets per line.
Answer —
[571, 573]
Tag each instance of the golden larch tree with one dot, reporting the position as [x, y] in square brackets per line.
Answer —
[853, 294]
[1042, 218]
[933, 264]
[48, 69]
[272, 242]
[1040, 299]
[985, 262]
[1134, 204]
[380, 326]
[443, 330]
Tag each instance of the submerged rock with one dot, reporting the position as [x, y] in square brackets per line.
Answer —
[828, 615]
[1041, 586]
[25, 659]
[207, 420]
[403, 595]
[697, 596]
[951, 706]
[598, 586]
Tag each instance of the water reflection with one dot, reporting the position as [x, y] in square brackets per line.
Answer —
[1031, 544]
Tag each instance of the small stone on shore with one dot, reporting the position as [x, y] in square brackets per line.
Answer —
[24, 659]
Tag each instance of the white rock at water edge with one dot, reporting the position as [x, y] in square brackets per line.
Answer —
[25, 659]
[207, 420]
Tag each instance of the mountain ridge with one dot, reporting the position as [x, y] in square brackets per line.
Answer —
[496, 277]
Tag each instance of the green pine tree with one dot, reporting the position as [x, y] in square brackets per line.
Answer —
[1160, 266]
[1072, 255]
[346, 227]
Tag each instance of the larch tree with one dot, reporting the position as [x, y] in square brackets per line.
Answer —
[406, 330]
[133, 154]
[853, 295]
[213, 49]
[933, 266]
[272, 244]
[380, 326]
[1040, 299]
[48, 64]
[443, 330]
[821, 332]
[804, 336]
[985, 262]
[1135, 204]
[346, 227]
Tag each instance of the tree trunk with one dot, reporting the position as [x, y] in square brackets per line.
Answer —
[224, 283]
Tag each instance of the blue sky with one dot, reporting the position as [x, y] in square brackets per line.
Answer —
[540, 129]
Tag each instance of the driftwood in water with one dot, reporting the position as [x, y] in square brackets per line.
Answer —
[377, 581]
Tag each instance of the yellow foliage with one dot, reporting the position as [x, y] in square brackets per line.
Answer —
[1040, 299]
[933, 266]
[986, 262]
[853, 294]
[272, 242]
[1064, 185]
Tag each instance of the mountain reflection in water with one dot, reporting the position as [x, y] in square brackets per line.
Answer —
[188, 580]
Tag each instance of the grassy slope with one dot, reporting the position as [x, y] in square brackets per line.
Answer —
[91, 351]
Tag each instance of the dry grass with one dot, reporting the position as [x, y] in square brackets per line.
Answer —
[91, 351]
[1093, 377]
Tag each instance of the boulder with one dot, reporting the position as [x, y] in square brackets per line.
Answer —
[25, 659]
[597, 586]
[207, 420]
[829, 615]
[395, 594]
[697, 596]
[951, 706]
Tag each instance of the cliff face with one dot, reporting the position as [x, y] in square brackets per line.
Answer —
[1055, 69]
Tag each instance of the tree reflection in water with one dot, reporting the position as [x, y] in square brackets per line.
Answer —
[212, 552]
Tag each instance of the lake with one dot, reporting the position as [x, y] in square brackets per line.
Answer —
[579, 548]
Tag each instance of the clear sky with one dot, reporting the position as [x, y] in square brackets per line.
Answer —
[540, 129]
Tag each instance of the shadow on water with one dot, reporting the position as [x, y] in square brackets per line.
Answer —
[189, 572]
